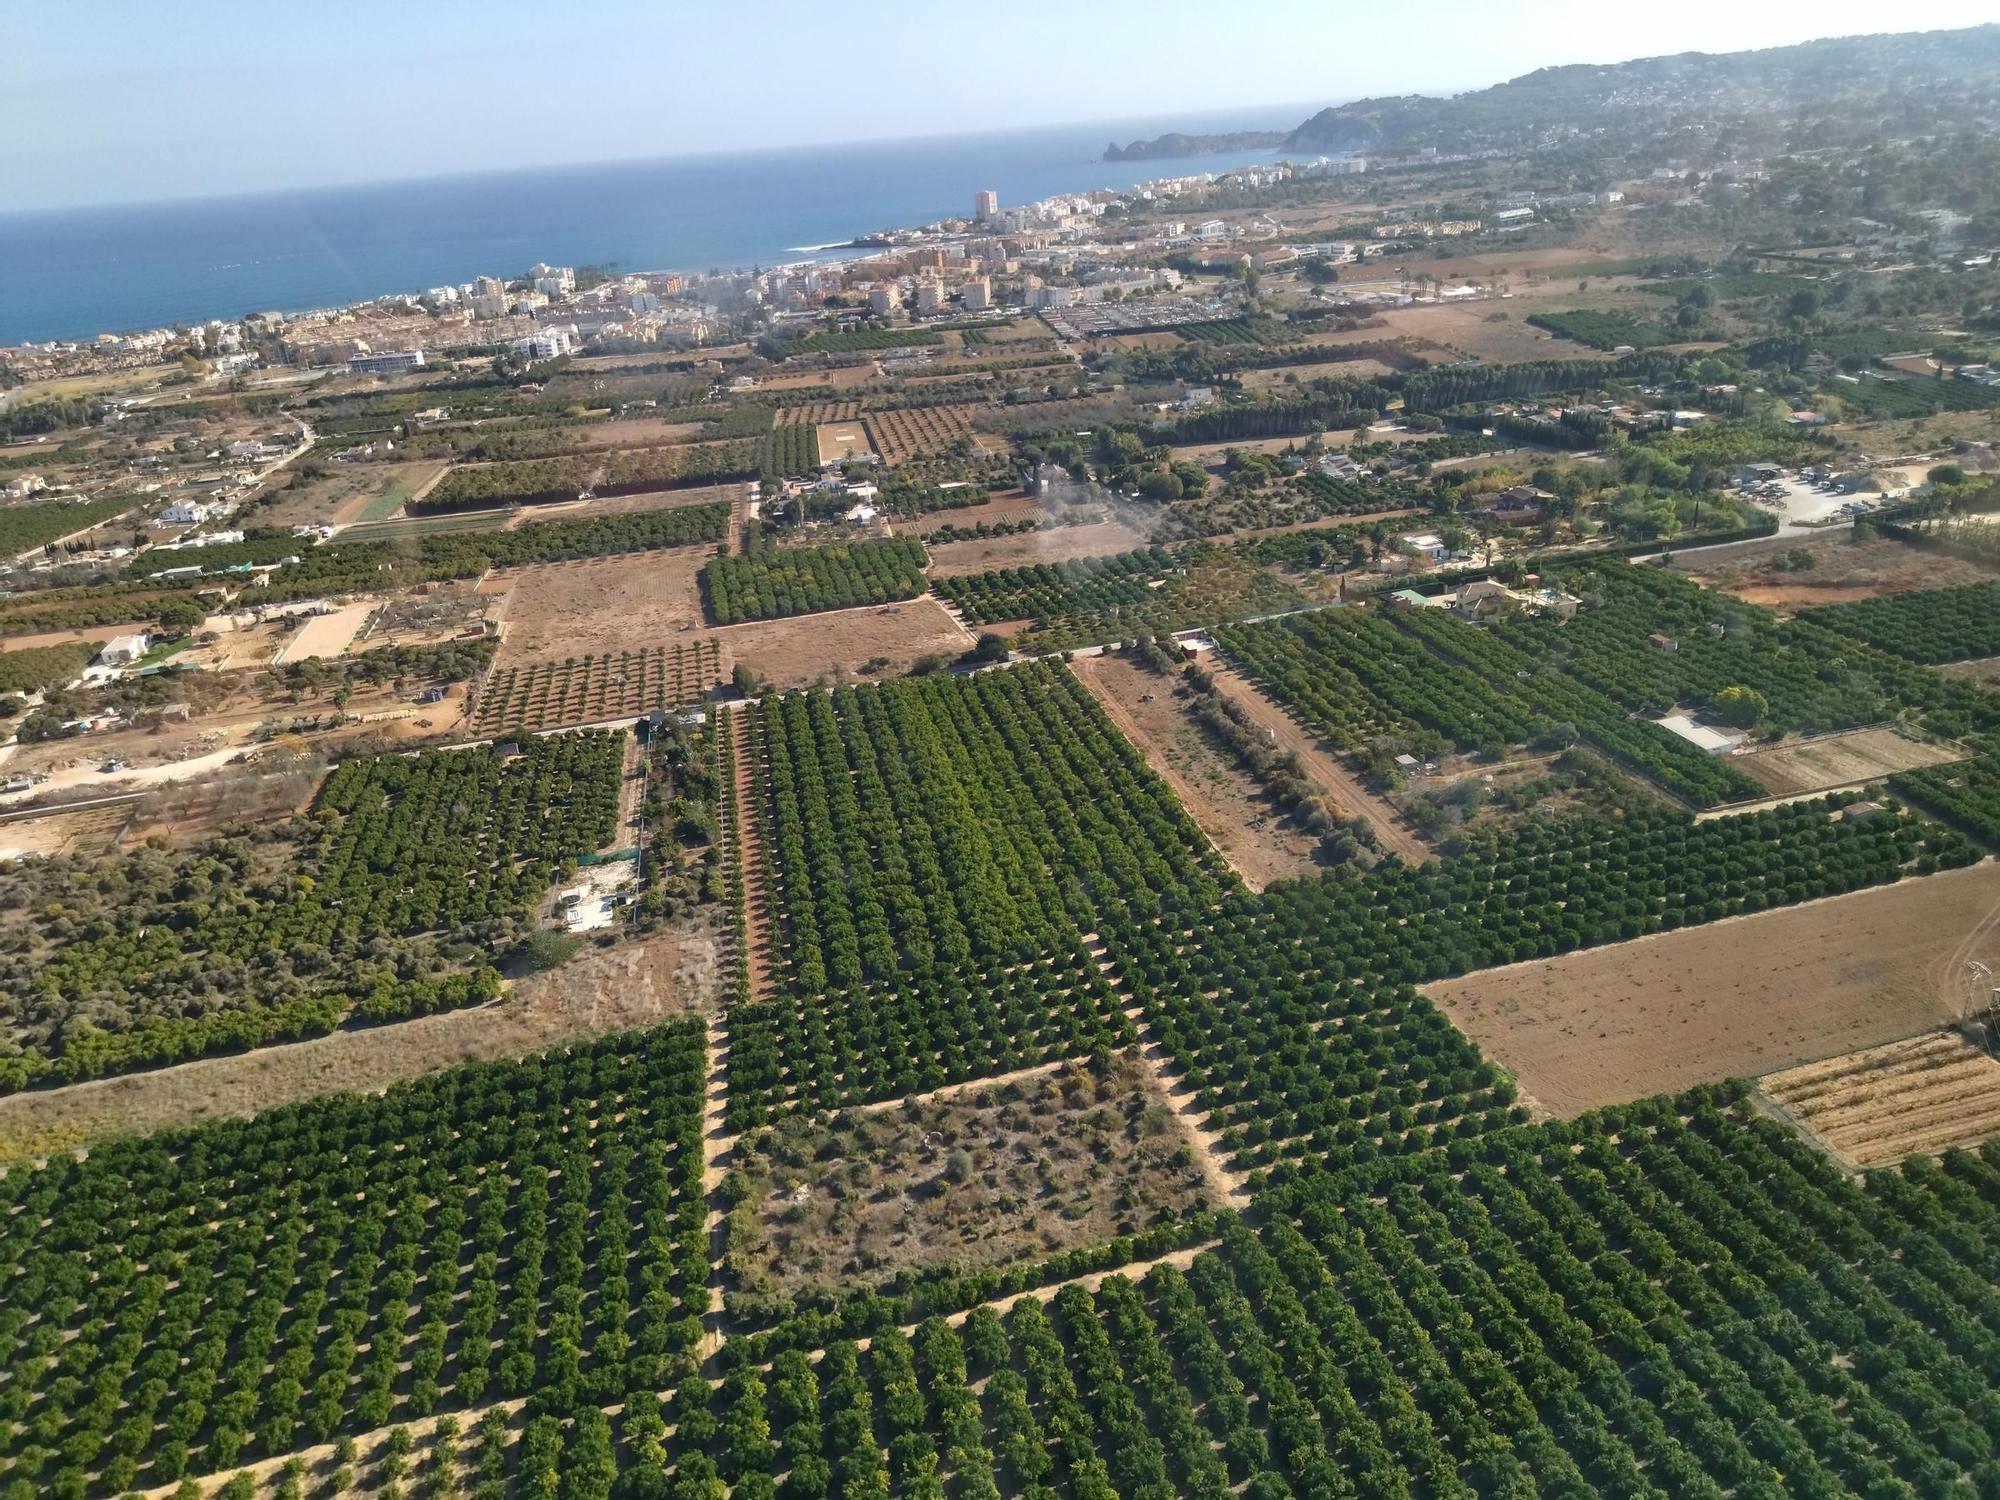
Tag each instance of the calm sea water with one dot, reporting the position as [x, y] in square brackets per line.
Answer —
[74, 273]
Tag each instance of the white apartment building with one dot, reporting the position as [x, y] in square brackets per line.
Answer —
[549, 343]
[386, 363]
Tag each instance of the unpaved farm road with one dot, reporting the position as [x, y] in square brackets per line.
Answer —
[1352, 796]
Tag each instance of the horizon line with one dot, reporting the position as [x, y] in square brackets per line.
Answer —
[798, 147]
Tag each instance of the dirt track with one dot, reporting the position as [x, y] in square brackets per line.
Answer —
[1394, 835]
[1227, 804]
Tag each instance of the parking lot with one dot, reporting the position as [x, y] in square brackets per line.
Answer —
[1802, 502]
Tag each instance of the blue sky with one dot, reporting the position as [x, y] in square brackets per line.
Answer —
[122, 100]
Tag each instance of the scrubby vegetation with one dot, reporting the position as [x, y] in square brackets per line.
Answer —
[406, 877]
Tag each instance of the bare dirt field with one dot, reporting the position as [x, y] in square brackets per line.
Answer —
[327, 635]
[834, 645]
[1343, 788]
[550, 611]
[1491, 330]
[92, 634]
[1733, 999]
[842, 440]
[1028, 548]
[1210, 455]
[1841, 571]
[1840, 760]
[83, 831]
[1014, 506]
[1010, 1171]
[1346, 369]
[847, 377]
[1875, 1107]
[1228, 804]
[602, 990]
[1987, 670]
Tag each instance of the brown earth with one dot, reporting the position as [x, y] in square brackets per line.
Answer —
[1986, 670]
[834, 645]
[86, 830]
[1875, 1107]
[842, 440]
[1344, 789]
[550, 611]
[1841, 760]
[1011, 1171]
[619, 505]
[602, 990]
[1029, 548]
[1225, 801]
[901, 434]
[1842, 571]
[92, 634]
[635, 432]
[844, 378]
[1736, 998]
[1491, 330]
[1009, 507]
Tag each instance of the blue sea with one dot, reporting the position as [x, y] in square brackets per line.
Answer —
[73, 273]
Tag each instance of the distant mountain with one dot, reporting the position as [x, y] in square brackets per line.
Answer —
[1174, 144]
[1853, 87]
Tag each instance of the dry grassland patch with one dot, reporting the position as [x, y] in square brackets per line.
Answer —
[556, 610]
[1841, 760]
[1841, 571]
[603, 990]
[1012, 1171]
[833, 646]
[1030, 548]
[1874, 1107]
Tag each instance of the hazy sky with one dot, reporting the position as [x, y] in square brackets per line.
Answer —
[119, 100]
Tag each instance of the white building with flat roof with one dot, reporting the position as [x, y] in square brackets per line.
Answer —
[1702, 736]
[121, 650]
[548, 343]
[386, 363]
